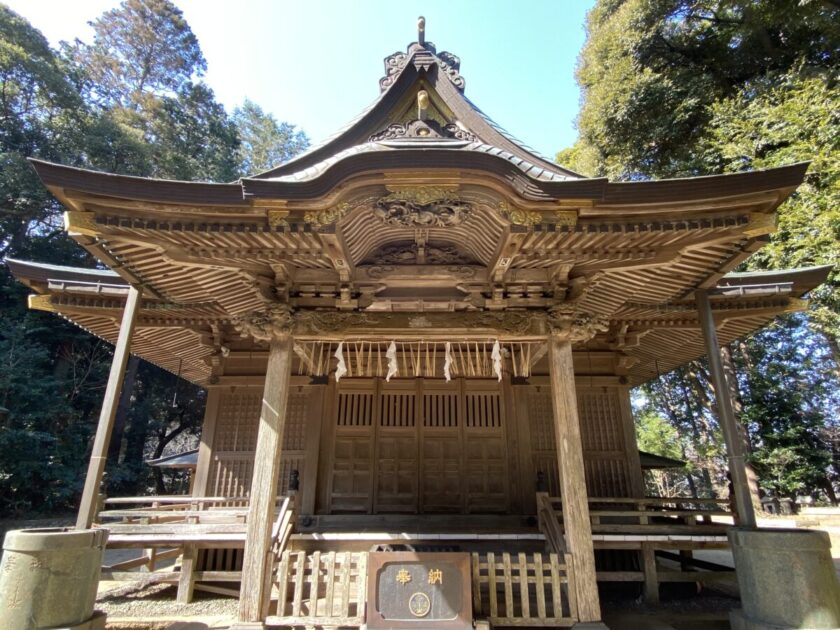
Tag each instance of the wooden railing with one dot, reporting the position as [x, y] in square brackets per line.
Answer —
[668, 515]
[524, 589]
[549, 524]
[320, 589]
[653, 527]
[194, 528]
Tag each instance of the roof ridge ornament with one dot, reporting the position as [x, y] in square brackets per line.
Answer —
[424, 55]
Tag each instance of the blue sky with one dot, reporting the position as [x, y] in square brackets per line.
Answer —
[317, 63]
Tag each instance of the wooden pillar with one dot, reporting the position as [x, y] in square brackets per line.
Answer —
[572, 482]
[99, 454]
[726, 417]
[312, 437]
[201, 477]
[186, 581]
[253, 596]
[631, 444]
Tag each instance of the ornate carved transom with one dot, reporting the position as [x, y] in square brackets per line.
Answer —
[412, 254]
[422, 207]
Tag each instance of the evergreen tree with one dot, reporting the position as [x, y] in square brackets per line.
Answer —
[693, 87]
[266, 143]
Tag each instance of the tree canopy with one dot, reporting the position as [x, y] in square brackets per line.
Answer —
[132, 102]
[674, 88]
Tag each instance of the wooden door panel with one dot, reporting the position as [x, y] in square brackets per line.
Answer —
[441, 480]
[396, 481]
[351, 479]
[487, 483]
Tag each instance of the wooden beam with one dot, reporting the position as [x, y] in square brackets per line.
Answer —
[87, 508]
[506, 251]
[726, 416]
[264, 482]
[572, 481]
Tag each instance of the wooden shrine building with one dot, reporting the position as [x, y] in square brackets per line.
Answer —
[413, 326]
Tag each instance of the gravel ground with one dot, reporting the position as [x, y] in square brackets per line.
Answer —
[146, 601]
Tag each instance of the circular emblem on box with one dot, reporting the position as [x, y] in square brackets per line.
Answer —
[419, 604]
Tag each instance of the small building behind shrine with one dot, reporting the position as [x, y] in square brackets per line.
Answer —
[427, 334]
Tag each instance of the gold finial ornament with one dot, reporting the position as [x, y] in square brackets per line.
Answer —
[422, 104]
[421, 30]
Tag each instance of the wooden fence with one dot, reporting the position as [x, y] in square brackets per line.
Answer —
[321, 589]
[524, 589]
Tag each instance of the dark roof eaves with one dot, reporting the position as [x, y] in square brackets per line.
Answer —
[141, 188]
[706, 186]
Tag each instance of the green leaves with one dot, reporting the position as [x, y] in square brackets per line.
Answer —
[266, 143]
[689, 87]
[130, 102]
[143, 47]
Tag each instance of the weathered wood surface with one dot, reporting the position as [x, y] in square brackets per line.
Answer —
[264, 484]
[726, 415]
[99, 453]
[536, 589]
[318, 589]
[570, 454]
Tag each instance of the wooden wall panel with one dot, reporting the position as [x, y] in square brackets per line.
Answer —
[603, 434]
[235, 440]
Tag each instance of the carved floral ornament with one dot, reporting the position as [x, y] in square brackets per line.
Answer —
[278, 320]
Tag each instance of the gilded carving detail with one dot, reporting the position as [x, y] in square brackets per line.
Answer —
[519, 216]
[575, 325]
[277, 218]
[273, 321]
[329, 216]
[566, 217]
[422, 206]
[81, 223]
[42, 303]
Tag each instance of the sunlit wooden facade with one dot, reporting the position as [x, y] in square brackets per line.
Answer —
[424, 225]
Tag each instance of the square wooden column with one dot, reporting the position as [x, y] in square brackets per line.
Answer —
[572, 482]
[87, 508]
[253, 595]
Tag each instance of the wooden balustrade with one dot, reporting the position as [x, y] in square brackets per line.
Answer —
[653, 527]
[524, 589]
[321, 589]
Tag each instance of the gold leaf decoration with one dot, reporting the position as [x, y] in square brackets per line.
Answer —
[566, 217]
[81, 223]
